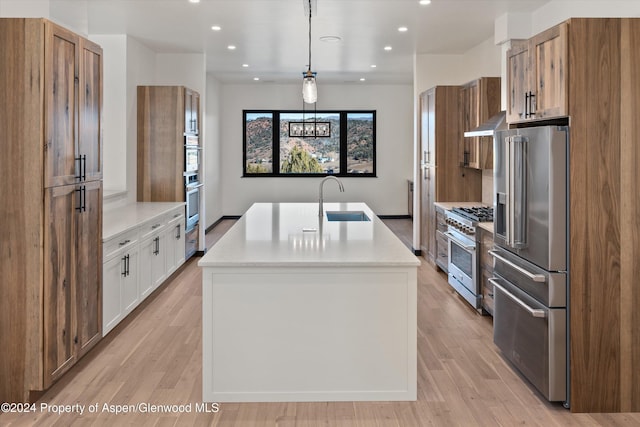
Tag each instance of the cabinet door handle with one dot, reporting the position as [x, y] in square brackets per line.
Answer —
[532, 104]
[79, 168]
[156, 251]
[178, 232]
[124, 266]
[526, 104]
[84, 167]
[82, 197]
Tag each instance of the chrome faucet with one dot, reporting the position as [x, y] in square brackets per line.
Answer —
[320, 200]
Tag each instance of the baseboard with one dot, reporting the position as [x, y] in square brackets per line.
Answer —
[222, 218]
[394, 216]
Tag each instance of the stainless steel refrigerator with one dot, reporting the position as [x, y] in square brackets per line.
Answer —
[531, 276]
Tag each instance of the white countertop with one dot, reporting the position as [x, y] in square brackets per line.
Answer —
[120, 219]
[271, 234]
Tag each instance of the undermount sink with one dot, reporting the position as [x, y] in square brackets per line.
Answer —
[347, 216]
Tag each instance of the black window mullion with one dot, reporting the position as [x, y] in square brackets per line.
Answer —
[343, 143]
[276, 143]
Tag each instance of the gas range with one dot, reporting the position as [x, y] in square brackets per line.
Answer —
[463, 263]
[466, 219]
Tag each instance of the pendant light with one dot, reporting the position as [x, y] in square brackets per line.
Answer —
[309, 88]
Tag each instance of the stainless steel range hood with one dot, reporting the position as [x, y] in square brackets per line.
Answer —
[489, 127]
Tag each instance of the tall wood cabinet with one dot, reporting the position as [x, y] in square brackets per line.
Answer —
[166, 115]
[599, 90]
[51, 228]
[442, 178]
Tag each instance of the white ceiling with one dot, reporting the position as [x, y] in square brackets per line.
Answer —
[271, 36]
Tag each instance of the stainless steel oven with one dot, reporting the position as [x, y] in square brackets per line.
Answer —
[193, 206]
[463, 266]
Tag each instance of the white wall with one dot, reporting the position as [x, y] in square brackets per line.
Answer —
[213, 150]
[114, 115]
[386, 194]
[557, 11]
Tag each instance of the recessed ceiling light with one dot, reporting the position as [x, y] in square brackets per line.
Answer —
[256, 78]
[194, 1]
[331, 39]
[403, 29]
[388, 48]
[424, 2]
[373, 65]
[363, 79]
[245, 65]
[216, 28]
[231, 47]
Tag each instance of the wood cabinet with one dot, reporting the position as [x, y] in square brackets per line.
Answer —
[442, 241]
[537, 73]
[586, 69]
[191, 112]
[442, 178]
[51, 295]
[73, 99]
[480, 101]
[485, 241]
[165, 115]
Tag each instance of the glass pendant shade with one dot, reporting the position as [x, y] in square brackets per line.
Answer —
[309, 89]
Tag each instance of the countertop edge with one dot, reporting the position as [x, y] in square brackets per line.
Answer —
[133, 225]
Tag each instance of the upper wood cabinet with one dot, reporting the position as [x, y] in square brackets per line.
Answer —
[191, 112]
[51, 296]
[537, 72]
[73, 106]
[480, 101]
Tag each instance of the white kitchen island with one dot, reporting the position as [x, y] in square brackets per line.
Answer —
[299, 308]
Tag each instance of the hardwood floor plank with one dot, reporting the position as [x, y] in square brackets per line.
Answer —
[155, 356]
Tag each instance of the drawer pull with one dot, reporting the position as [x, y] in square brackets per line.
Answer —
[125, 242]
[532, 311]
[153, 227]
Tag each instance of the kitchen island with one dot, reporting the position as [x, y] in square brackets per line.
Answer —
[299, 308]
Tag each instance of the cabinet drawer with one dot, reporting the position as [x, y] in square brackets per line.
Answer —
[486, 260]
[487, 290]
[112, 247]
[191, 241]
[151, 227]
[442, 250]
[174, 216]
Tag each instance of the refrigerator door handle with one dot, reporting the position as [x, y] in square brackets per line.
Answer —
[508, 232]
[518, 192]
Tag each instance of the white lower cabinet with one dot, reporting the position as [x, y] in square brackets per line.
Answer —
[119, 285]
[175, 242]
[152, 262]
[136, 263]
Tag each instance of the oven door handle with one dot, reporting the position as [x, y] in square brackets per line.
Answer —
[535, 277]
[458, 242]
[532, 311]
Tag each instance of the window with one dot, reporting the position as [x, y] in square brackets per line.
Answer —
[296, 143]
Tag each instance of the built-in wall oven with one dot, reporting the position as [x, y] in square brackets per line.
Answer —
[193, 206]
[531, 277]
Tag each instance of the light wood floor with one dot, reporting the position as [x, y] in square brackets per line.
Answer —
[154, 357]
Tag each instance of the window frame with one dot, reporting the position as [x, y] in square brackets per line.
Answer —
[275, 144]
